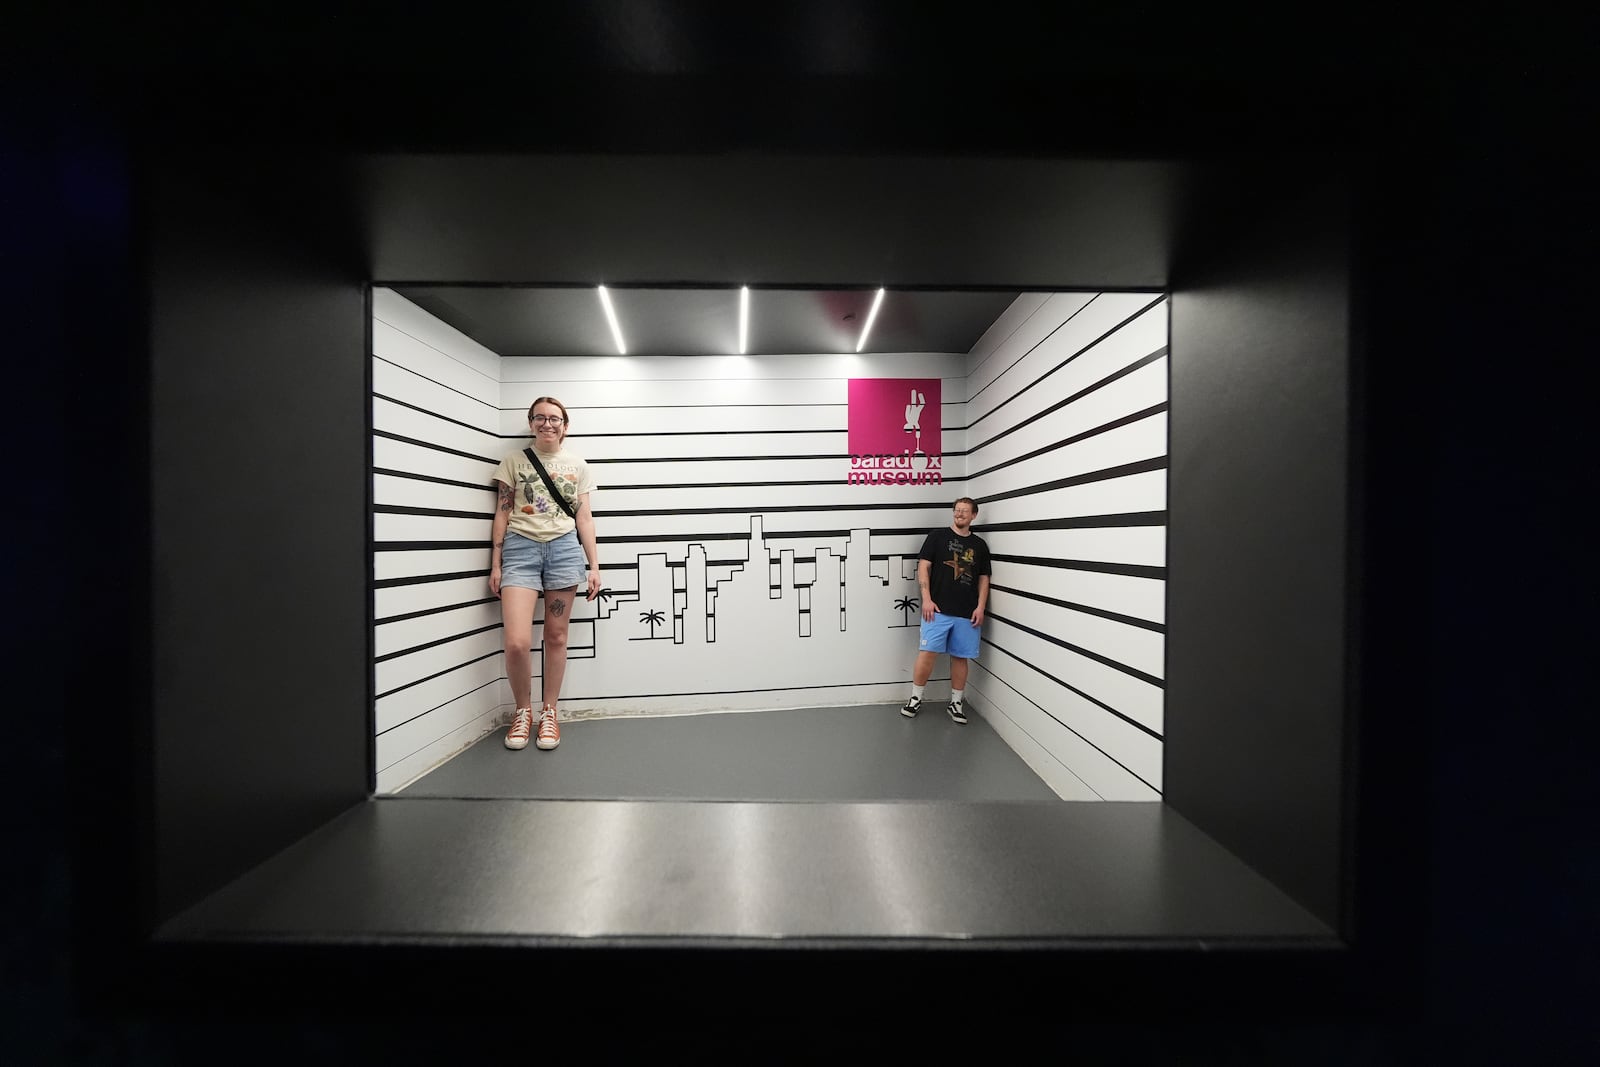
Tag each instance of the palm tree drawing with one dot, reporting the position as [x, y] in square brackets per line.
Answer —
[906, 605]
[652, 618]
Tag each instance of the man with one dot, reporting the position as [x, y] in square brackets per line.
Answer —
[953, 574]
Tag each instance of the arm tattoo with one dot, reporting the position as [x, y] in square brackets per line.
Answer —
[505, 496]
[557, 608]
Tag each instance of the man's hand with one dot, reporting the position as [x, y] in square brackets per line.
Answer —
[929, 609]
[977, 617]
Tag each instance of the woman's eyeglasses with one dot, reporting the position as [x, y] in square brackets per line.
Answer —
[547, 420]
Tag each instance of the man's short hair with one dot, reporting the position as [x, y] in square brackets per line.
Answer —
[967, 500]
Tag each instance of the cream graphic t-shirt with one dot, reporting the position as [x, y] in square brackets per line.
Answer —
[533, 513]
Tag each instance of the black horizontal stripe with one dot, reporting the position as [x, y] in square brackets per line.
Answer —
[430, 711]
[1128, 570]
[435, 513]
[696, 407]
[440, 674]
[425, 546]
[744, 535]
[749, 485]
[785, 509]
[428, 579]
[1135, 774]
[1143, 624]
[1132, 672]
[429, 445]
[1102, 705]
[424, 377]
[1124, 470]
[1080, 522]
[1058, 366]
[1079, 395]
[435, 611]
[487, 487]
[435, 644]
[433, 414]
[1115, 424]
[1031, 347]
[698, 433]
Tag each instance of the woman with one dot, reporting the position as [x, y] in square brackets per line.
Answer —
[543, 542]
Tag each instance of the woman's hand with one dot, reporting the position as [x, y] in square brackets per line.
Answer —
[494, 580]
[594, 583]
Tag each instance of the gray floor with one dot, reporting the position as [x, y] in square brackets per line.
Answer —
[870, 753]
[841, 826]
[597, 873]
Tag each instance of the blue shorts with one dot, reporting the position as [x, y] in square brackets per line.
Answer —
[529, 564]
[950, 633]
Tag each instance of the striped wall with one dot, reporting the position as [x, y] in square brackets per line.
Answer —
[439, 671]
[743, 572]
[1067, 452]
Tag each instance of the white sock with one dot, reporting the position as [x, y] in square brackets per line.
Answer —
[916, 691]
[957, 695]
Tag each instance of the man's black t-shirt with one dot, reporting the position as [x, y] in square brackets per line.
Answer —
[956, 564]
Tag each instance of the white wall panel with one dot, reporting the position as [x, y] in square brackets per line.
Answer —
[409, 387]
[392, 346]
[1070, 344]
[395, 637]
[1133, 697]
[1111, 496]
[1139, 391]
[400, 314]
[393, 673]
[414, 564]
[1143, 546]
[391, 491]
[441, 433]
[1133, 646]
[1069, 764]
[1008, 333]
[401, 705]
[387, 528]
[1064, 367]
[1123, 745]
[1136, 598]
[393, 455]
[405, 599]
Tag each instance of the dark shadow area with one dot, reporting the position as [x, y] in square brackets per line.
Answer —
[1468, 911]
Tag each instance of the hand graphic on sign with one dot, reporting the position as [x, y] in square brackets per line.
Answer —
[914, 413]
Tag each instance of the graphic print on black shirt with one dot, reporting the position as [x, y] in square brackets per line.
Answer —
[956, 564]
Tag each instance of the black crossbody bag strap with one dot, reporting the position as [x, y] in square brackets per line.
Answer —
[549, 484]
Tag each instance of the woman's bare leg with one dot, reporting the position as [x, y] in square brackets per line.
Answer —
[557, 618]
[517, 606]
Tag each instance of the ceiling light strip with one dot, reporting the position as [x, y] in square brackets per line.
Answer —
[744, 319]
[611, 317]
[877, 302]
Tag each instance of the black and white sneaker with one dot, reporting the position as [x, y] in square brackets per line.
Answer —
[958, 713]
[913, 706]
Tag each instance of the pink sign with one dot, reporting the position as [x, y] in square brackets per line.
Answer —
[894, 430]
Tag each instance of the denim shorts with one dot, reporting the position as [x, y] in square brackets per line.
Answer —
[950, 633]
[529, 564]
